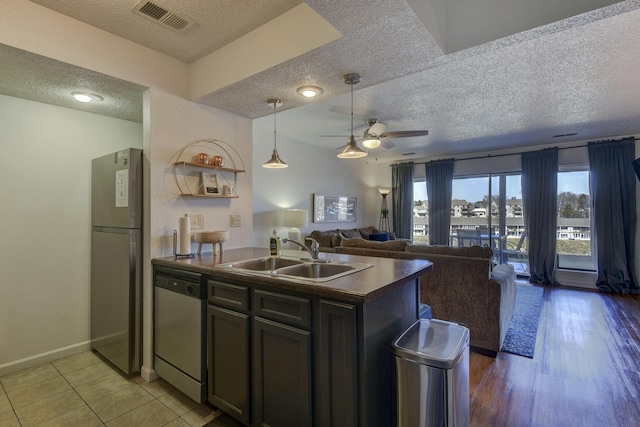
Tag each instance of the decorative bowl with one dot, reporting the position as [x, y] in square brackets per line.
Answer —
[211, 236]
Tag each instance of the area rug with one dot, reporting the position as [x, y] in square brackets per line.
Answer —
[523, 329]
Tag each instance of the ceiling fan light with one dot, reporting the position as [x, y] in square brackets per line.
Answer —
[275, 162]
[371, 142]
[352, 151]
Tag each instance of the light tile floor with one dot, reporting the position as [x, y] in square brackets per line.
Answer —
[83, 390]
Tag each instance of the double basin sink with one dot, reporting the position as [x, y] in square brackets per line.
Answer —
[295, 268]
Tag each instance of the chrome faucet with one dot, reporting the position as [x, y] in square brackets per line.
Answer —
[315, 246]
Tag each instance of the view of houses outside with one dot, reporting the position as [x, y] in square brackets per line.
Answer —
[471, 209]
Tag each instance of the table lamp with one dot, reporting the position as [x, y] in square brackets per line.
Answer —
[295, 218]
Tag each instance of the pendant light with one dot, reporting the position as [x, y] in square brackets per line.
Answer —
[275, 162]
[352, 151]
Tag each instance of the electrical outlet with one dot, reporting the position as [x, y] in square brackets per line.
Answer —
[234, 220]
[196, 221]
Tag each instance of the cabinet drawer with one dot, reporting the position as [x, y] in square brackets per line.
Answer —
[287, 309]
[234, 297]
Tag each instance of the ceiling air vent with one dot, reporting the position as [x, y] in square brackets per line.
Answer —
[163, 15]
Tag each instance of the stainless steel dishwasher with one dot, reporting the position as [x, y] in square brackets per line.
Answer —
[179, 325]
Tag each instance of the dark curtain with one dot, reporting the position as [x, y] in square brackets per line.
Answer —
[402, 199]
[439, 176]
[540, 208]
[613, 204]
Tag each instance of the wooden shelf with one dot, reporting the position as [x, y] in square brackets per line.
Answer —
[219, 168]
[190, 165]
[206, 196]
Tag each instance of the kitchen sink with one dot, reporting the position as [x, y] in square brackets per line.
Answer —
[295, 268]
[264, 264]
[313, 270]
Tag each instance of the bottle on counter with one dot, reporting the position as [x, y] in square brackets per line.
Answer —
[275, 244]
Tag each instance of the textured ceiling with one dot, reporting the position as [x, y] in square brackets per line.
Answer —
[30, 76]
[577, 74]
[217, 22]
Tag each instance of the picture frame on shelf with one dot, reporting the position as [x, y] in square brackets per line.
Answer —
[334, 208]
[209, 184]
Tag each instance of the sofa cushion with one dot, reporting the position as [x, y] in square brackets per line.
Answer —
[365, 232]
[324, 238]
[379, 237]
[351, 233]
[391, 245]
[471, 251]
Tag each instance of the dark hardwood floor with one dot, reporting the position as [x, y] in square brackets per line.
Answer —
[585, 371]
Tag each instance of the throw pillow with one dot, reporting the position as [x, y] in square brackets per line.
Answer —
[379, 237]
[366, 231]
[324, 238]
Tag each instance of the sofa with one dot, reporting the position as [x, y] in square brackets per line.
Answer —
[464, 286]
[330, 239]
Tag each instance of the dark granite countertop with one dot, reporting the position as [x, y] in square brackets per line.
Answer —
[362, 286]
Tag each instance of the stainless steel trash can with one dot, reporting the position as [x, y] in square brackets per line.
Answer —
[432, 366]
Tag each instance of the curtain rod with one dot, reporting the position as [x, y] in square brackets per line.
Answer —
[489, 156]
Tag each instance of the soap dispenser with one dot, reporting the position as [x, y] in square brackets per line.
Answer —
[275, 244]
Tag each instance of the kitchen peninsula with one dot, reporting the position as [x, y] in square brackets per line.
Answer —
[302, 352]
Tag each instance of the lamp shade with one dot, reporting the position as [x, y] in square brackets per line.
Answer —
[295, 218]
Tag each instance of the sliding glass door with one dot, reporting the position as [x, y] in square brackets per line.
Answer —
[490, 206]
[487, 210]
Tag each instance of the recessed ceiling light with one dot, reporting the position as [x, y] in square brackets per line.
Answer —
[310, 91]
[86, 97]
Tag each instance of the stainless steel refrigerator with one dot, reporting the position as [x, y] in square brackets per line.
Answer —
[116, 256]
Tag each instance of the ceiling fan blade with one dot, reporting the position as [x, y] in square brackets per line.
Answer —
[377, 128]
[404, 133]
[386, 143]
[334, 136]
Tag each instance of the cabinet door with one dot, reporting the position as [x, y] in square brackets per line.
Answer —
[336, 366]
[282, 369]
[228, 338]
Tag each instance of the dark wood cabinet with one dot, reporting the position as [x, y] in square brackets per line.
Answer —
[336, 365]
[229, 363]
[282, 375]
[284, 358]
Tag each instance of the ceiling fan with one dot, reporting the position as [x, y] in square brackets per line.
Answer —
[375, 133]
[376, 136]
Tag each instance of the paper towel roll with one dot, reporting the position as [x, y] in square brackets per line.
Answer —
[185, 235]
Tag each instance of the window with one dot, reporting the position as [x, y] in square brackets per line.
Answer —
[420, 213]
[573, 247]
[495, 201]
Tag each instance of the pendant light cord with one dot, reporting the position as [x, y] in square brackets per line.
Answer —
[274, 125]
[352, 109]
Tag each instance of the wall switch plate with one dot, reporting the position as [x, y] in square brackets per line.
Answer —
[234, 220]
[197, 221]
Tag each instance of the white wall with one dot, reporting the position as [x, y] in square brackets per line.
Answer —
[45, 171]
[311, 170]
[170, 122]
